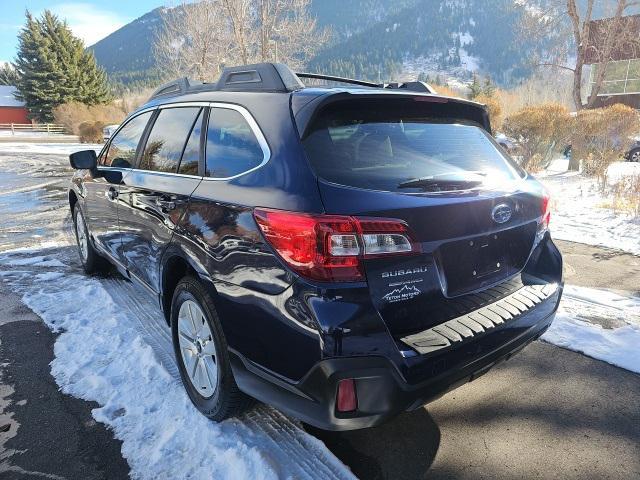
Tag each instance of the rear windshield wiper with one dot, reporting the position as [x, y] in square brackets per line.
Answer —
[445, 181]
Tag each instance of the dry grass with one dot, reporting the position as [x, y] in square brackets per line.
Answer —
[74, 114]
[542, 88]
[448, 91]
[131, 101]
[540, 131]
[90, 132]
[624, 196]
[599, 137]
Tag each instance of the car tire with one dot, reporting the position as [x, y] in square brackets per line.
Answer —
[91, 261]
[202, 354]
[634, 155]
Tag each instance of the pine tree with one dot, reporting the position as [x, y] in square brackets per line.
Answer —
[475, 88]
[488, 88]
[8, 75]
[54, 68]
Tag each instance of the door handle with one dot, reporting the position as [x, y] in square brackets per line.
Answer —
[112, 194]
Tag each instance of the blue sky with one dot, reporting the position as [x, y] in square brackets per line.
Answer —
[89, 20]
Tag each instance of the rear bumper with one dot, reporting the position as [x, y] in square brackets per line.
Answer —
[383, 390]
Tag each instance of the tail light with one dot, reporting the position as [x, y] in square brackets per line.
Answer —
[332, 247]
[546, 210]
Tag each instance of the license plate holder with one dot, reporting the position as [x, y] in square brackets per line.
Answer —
[489, 253]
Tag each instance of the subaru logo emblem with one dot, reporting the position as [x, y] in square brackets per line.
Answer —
[501, 213]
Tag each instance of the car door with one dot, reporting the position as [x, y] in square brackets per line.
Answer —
[155, 194]
[102, 189]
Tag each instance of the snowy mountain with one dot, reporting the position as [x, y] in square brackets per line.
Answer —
[433, 36]
[373, 39]
[127, 54]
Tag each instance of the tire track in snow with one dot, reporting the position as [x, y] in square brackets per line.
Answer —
[263, 443]
[149, 319]
[115, 348]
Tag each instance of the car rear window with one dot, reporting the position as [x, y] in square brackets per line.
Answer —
[232, 147]
[403, 146]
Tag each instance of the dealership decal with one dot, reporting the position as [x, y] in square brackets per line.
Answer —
[406, 292]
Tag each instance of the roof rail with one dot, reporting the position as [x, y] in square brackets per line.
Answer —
[269, 77]
[332, 78]
[174, 87]
[412, 86]
[259, 77]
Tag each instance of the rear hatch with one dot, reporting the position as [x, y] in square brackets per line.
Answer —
[471, 210]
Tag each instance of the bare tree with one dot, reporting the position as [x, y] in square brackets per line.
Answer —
[241, 15]
[570, 37]
[274, 30]
[195, 41]
[200, 38]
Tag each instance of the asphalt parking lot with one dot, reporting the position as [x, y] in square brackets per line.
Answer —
[546, 413]
[43, 432]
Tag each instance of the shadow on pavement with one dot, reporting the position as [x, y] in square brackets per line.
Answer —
[546, 413]
[402, 448]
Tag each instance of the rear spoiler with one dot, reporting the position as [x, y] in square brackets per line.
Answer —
[305, 109]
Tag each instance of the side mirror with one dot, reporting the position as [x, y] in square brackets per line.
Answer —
[120, 163]
[85, 159]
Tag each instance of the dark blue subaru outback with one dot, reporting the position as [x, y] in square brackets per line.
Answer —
[343, 253]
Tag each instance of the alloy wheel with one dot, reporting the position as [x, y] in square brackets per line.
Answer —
[81, 235]
[197, 348]
[635, 157]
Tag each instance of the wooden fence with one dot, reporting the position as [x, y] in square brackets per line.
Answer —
[50, 128]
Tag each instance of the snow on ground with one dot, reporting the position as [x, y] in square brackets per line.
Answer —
[579, 214]
[413, 67]
[114, 348]
[20, 135]
[47, 148]
[471, 63]
[33, 192]
[622, 172]
[600, 324]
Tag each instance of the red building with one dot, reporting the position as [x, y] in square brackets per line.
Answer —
[11, 110]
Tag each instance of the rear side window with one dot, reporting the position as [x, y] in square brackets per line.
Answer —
[167, 139]
[122, 149]
[232, 147]
[402, 146]
[191, 154]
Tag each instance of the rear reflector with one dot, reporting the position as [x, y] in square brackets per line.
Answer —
[332, 247]
[346, 400]
[546, 209]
